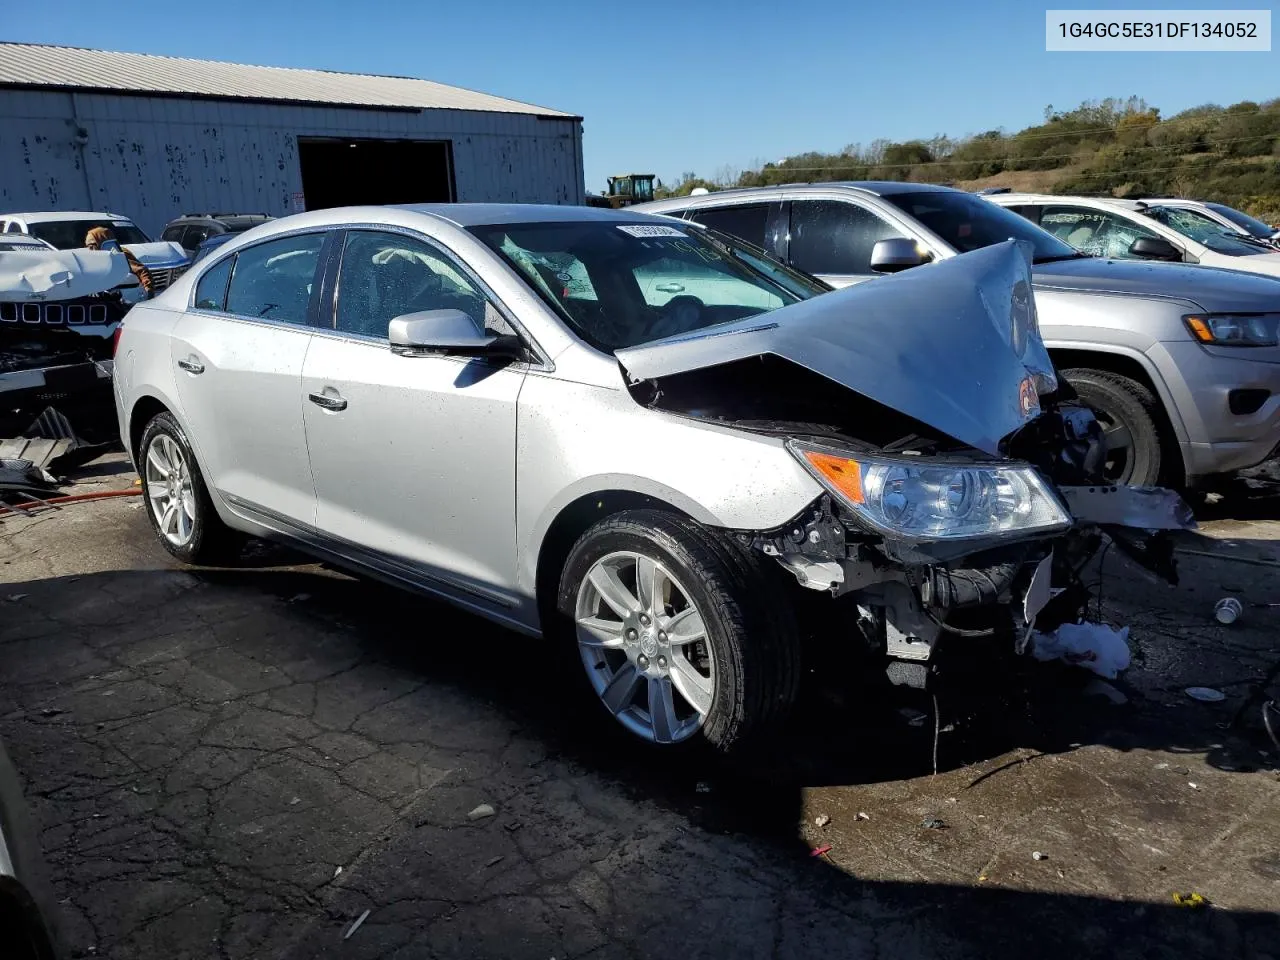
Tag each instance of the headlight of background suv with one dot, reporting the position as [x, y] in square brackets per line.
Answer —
[919, 499]
[1234, 329]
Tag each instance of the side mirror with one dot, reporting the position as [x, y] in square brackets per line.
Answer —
[1154, 248]
[893, 255]
[449, 332]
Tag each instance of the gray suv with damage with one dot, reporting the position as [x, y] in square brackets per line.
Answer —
[1180, 363]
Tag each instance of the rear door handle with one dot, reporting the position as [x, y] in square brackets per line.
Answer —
[191, 366]
[327, 401]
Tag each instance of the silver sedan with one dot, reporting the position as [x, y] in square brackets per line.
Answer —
[629, 436]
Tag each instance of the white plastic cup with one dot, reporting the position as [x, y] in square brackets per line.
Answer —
[1227, 610]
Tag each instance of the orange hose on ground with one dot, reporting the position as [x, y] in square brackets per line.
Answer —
[74, 498]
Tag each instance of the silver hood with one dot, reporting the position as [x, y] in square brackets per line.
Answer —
[956, 346]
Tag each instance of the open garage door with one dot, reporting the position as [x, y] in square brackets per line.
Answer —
[343, 172]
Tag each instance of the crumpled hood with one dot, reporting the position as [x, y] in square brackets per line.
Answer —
[160, 253]
[955, 346]
[1209, 288]
[60, 274]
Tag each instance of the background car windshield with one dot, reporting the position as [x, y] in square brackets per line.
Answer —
[70, 234]
[622, 284]
[1255, 227]
[1204, 230]
[968, 223]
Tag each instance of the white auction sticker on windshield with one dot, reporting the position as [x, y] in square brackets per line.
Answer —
[650, 230]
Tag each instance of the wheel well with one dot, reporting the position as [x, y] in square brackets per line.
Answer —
[143, 411]
[1124, 366]
[571, 523]
[1110, 362]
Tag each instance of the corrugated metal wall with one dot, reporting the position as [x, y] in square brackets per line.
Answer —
[154, 158]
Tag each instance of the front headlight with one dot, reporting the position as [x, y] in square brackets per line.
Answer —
[918, 499]
[1234, 329]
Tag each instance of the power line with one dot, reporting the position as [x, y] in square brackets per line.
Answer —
[851, 162]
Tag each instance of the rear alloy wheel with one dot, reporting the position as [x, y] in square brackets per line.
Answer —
[178, 503]
[1130, 418]
[683, 637]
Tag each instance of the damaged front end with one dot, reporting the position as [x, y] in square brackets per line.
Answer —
[963, 482]
[59, 311]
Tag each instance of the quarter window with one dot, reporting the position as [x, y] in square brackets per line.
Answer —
[1095, 232]
[273, 280]
[833, 237]
[211, 290]
[386, 275]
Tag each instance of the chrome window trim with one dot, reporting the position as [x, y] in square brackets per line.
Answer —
[543, 362]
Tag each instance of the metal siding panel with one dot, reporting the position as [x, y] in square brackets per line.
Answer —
[157, 158]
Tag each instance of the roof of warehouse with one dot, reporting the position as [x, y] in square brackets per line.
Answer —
[39, 65]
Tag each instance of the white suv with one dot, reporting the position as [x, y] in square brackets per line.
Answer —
[66, 230]
[1138, 230]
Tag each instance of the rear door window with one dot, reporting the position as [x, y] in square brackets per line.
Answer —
[746, 222]
[274, 280]
[835, 238]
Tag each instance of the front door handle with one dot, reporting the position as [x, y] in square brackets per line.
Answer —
[327, 401]
[191, 366]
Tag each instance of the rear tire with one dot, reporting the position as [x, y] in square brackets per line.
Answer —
[750, 643]
[192, 531]
[1131, 421]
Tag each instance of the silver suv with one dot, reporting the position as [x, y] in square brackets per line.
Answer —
[1180, 363]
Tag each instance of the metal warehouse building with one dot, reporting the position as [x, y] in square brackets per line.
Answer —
[155, 137]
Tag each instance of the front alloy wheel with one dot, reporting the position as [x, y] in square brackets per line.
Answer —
[645, 647]
[686, 639]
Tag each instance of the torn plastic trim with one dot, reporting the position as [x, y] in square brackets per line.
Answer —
[1142, 508]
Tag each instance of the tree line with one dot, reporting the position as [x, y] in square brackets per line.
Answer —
[1117, 147]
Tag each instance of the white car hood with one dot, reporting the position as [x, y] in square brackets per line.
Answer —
[160, 253]
[1268, 263]
[955, 345]
[61, 274]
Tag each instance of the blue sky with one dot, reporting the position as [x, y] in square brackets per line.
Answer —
[669, 86]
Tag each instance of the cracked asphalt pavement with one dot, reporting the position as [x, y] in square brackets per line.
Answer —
[240, 763]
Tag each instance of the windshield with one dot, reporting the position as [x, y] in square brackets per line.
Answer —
[1254, 226]
[1204, 229]
[967, 223]
[623, 284]
[70, 234]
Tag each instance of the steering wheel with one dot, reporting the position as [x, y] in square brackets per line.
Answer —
[678, 315]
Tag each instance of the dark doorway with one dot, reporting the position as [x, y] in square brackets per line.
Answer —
[343, 172]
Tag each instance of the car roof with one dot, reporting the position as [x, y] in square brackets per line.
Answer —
[50, 216]
[23, 240]
[1002, 198]
[486, 214]
[461, 215]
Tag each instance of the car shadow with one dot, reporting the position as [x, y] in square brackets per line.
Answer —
[849, 731]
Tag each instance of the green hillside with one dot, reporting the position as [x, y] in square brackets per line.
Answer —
[1116, 147]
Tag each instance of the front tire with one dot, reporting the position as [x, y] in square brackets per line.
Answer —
[177, 500]
[683, 637]
[1131, 424]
